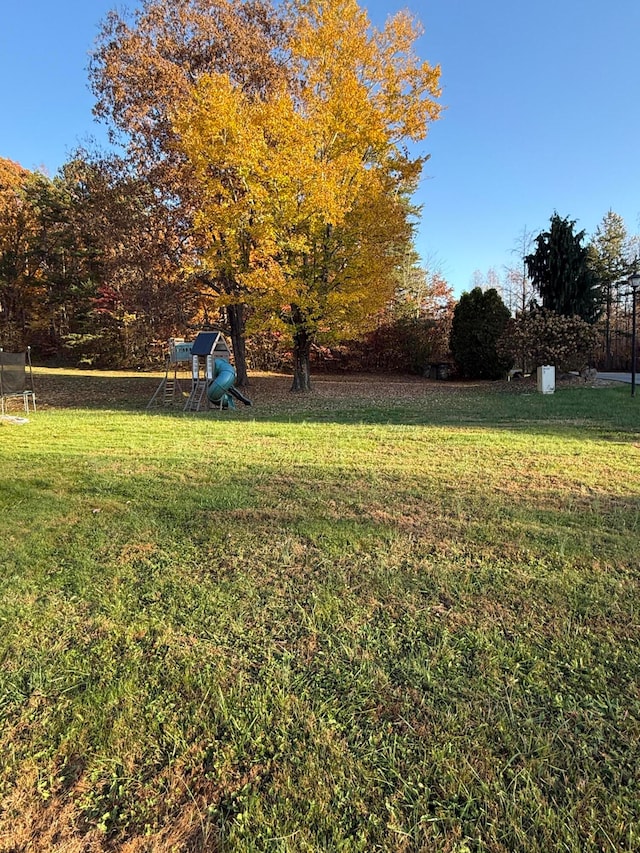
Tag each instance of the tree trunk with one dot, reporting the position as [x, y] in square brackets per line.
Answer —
[236, 315]
[608, 359]
[301, 361]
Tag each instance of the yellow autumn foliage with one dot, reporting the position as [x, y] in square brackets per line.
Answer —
[305, 189]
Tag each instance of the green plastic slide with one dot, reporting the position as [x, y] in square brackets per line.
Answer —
[221, 389]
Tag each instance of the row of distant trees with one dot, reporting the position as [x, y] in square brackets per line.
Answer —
[569, 274]
[265, 178]
[569, 302]
[90, 275]
[264, 184]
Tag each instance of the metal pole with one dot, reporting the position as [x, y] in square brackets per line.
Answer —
[634, 284]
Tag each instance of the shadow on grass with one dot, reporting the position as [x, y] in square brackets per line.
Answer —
[76, 389]
[360, 398]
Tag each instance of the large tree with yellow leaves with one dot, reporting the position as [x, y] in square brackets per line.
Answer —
[305, 187]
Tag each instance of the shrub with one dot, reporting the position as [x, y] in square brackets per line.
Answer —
[479, 319]
[541, 336]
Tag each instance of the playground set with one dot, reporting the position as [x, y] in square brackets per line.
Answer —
[211, 382]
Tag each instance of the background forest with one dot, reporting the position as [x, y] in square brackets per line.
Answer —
[90, 275]
[262, 189]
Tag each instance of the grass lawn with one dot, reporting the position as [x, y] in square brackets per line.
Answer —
[392, 615]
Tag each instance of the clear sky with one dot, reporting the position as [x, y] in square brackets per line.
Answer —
[541, 113]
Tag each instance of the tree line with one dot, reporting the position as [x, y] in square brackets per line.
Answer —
[263, 185]
[567, 301]
[265, 182]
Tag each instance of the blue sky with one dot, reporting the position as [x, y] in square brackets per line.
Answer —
[541, 113]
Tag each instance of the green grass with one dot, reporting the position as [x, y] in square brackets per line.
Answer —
[323, 625]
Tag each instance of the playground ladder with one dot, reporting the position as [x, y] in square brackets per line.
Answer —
[198, 391]
[169, 392]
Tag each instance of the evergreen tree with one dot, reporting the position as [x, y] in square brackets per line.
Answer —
[561, 272]
[479, 319]
[609, 250]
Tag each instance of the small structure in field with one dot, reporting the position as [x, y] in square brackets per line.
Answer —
[16, 378]
[211, 380]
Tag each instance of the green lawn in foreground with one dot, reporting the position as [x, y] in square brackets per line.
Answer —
[314, 625]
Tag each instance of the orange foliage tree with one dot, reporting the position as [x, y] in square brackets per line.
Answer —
[20, 286]
[142, 68]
